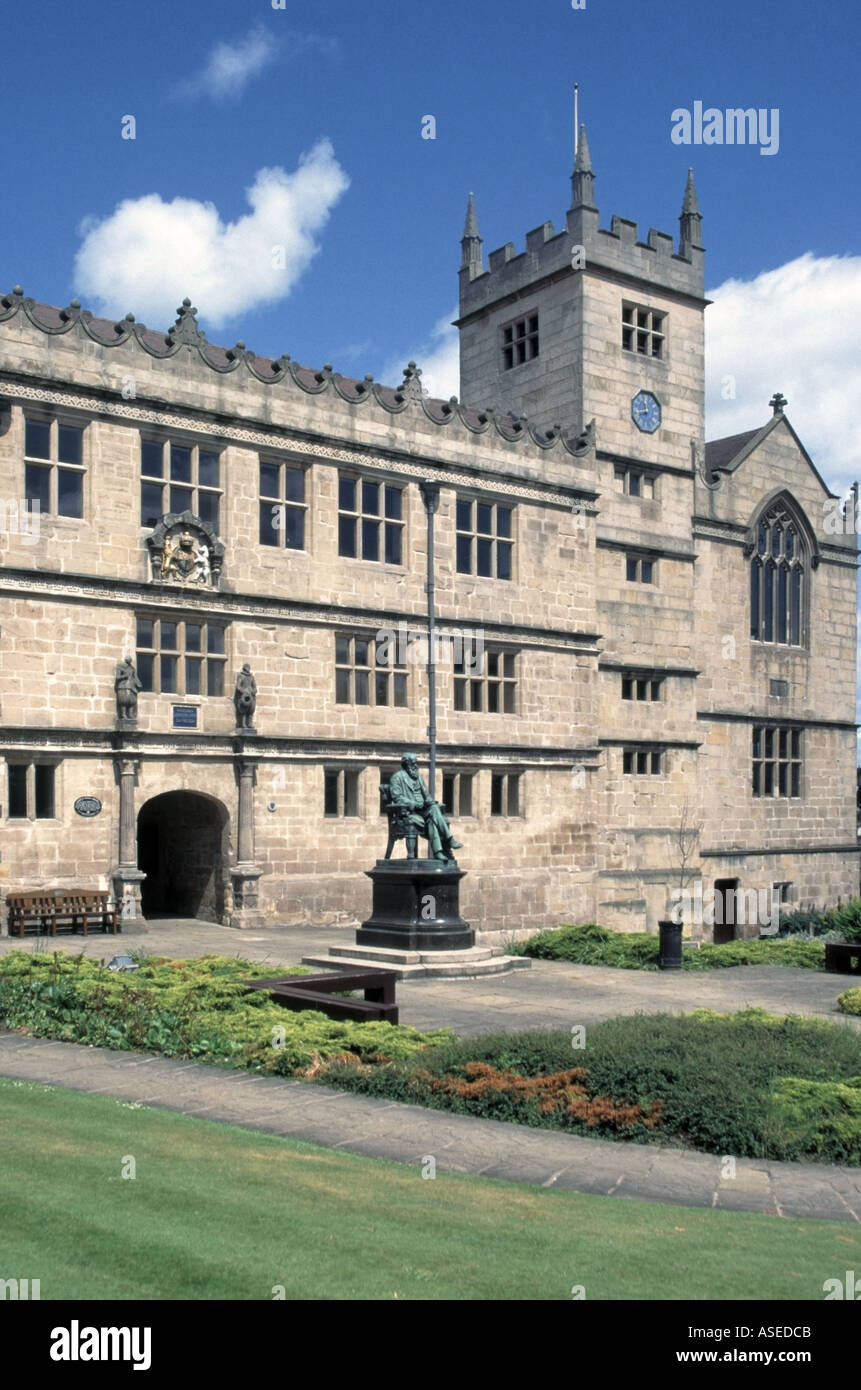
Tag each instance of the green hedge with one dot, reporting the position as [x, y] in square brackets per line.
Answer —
[722, 1081]
[594, 945]
[185, 1008]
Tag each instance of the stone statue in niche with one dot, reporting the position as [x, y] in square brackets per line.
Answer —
[245, 698]
[127, 686]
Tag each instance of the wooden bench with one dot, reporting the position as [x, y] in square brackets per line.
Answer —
[840, 955]
[53, 910]
[318, 992]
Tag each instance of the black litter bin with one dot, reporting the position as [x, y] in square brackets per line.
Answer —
[671, 945]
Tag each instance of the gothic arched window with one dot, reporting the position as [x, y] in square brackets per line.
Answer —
[777, 577]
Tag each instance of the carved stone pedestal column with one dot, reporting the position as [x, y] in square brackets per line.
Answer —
[245, 873]
[246, 912]
[126, 886]
[126, 878]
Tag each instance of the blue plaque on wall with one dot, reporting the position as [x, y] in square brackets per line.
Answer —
[88, 806]
[184, 717]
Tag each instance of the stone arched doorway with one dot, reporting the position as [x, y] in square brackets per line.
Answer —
[182, 844]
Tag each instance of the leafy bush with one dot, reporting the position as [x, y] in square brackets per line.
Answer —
[794, 950]
[817, 1117]
[714, 1072]
[804, 922]
[847, 920]
[594, 945]
[560, 1095]
[702, 1080]
[850, 1000]
[836, 924]
[186, 1008]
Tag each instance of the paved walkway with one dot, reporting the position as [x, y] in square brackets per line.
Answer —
[459, 1143]
[549, 995]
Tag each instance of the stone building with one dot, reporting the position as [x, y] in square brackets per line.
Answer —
[649, 642]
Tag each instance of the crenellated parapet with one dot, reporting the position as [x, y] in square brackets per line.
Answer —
[186, 337]
[550, 255]
[585, 244]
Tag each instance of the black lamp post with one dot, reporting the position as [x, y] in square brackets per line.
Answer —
[430, 497]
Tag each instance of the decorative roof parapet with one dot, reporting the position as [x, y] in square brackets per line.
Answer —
[186, 333]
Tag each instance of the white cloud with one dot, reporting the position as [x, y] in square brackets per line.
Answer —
[148, 253]
[230, 65]
[795, 330]
[438, 358]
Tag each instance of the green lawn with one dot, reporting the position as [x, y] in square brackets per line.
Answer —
[216, 1212]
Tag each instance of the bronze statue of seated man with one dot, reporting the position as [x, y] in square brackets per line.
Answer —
[408, 791]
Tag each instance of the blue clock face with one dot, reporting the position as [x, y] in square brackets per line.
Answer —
[646, 412]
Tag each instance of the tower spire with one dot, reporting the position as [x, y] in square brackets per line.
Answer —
[471, 242]
[583, 179]
[691, 220]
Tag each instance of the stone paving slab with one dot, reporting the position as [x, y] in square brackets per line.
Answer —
[459, 1143]
[552, 994]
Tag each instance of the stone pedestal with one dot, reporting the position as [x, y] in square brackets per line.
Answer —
[246, 913]
[126, 880]
[416, 907]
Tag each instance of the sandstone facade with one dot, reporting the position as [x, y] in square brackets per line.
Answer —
[625, 700]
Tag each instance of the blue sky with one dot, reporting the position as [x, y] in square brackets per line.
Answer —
[222, 91]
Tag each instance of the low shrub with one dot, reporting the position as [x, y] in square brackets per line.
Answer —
[801, 922]
[594, 945]
[850, 1000]
[847, 920]
[186, 1008]
[714, 1072]
[561, 1095]
[792, 951]
[816, 1117]
[702, 1080]
[836, 924]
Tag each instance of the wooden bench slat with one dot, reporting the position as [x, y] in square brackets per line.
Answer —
[73, 909]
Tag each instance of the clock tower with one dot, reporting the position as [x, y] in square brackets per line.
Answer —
[590, 322]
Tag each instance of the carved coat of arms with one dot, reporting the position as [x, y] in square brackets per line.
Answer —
[185, 550]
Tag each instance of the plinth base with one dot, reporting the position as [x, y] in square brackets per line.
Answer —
[126, 882]
[245, 913]
[416, 907]
[469, 964]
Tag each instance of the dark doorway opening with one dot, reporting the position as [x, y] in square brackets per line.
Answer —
[181, 849]
[725, 910]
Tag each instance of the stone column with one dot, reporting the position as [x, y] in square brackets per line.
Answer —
[245, 873]
[126, 877]
[128, 838]
[245, 832]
